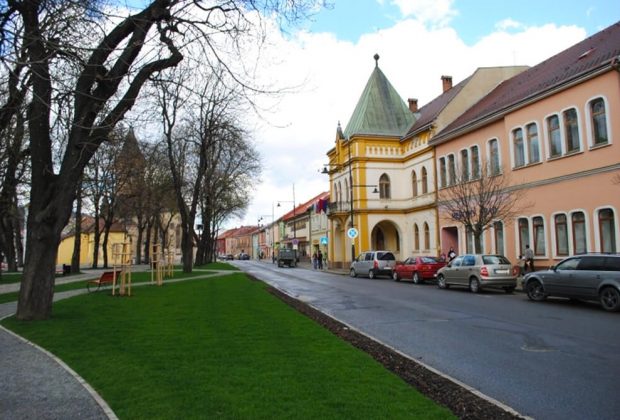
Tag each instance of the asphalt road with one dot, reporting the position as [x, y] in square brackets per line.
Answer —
[551, 360]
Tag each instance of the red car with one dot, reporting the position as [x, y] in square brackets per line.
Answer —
[417, 269]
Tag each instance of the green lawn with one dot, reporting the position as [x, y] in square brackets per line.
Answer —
[219, 348]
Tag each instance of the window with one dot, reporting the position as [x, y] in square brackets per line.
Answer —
[338, 194]
[607, 230]
[427, 237]
[469, 260]
[561, 234]
[498, 230]
[475, 162]
[533, 148]
[579, 233]
[414, 183]
[384, 186]
[442, 172]
[555, 138]
[424, 181]
[524, 234]
[451, 170]
[538, 225]
[518, 147]
[465, 164]
[571, 129]
[494, 157]
[347, 192]
[598, 117]
[416, 237]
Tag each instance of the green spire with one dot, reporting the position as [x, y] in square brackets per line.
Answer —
[380, 110]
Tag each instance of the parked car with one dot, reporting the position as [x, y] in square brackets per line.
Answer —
[417, 269]
[373, 264]
[244, 256]
[477, 272]
[229, 257]
[594, 277]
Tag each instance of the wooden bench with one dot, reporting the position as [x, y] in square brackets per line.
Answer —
[107, 277]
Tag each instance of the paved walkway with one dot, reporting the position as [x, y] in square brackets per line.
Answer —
[34, 384]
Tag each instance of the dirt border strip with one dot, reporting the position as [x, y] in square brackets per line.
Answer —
[463, 400]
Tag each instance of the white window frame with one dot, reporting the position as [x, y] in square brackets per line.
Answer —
[589, 127]
[597, 227]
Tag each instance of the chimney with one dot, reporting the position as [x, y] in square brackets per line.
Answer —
[413, 104]
[446, 82]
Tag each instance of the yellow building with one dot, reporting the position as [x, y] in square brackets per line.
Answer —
[65, 249]
[382, 170]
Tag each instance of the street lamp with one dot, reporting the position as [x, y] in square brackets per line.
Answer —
[351, 211]
[294, 221]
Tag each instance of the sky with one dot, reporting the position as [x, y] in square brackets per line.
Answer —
[329, 59]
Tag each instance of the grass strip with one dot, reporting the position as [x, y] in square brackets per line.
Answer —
[222, 347]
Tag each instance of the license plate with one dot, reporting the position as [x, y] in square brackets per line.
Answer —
[501, 271]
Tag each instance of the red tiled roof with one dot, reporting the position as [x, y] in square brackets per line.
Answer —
[240, 231]
[302, 208]
[585, 58]
[429, 112]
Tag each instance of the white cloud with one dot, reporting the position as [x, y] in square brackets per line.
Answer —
[506, 24]
[413, 57]
[431, 12]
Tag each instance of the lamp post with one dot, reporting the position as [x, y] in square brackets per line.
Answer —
[294, 221]
[351, 210]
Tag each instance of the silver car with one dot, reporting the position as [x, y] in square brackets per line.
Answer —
[477, 272]
[373, 264]
[593, 277]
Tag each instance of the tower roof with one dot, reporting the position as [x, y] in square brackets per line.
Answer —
[380, 110]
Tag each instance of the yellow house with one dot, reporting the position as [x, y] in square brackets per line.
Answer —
[382, 169]
[65, 249]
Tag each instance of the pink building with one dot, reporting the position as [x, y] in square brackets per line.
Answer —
[552, 131]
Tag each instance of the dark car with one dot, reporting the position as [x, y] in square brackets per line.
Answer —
[477, 272]
[244, 256]
[229, 257]
[417, 269]
[594, 277]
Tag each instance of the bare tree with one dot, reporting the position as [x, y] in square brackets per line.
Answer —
[105, 83]
[478, 198]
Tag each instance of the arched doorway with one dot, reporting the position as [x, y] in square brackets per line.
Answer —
[385, 235]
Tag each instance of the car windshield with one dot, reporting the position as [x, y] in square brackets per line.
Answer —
[429, 260]
[494, 259]
[385, 256]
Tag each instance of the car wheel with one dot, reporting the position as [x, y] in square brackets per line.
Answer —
[371, 274]
[352, 273]
[441, 282]
[509, 290]
[535, 291]
[416, 278]
[610, 299]
[474, 285]
[395, 276]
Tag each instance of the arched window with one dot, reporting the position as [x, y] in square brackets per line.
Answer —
[561, 235]
[414, 183]
[580, 244]
[384, 186]
[518, 147]
[427, 237]
[424, 181]
[607, 228]
[598, 117]
[416, 237]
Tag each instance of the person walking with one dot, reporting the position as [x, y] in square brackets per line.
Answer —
[529, 258]
[319, 257]
[451, 254]
[315, 262]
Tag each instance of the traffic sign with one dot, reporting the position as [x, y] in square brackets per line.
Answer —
[352, 233]
[323, 240]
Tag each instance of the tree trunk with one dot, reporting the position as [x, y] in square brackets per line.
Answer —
[77, 243]
[478, 242]
[187, 251]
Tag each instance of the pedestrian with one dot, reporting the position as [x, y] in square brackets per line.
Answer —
[319, 257]
[521, 265]
[315, 263]
[451, 254]
[529, 258]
